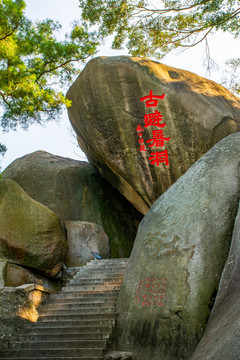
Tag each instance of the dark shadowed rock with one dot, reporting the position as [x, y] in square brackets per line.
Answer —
[178, 257]
[84, 237]
[106, 110]
[30, 233]
[221, 339]
[74, 190]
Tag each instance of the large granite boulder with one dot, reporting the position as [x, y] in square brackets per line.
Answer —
[106, 111]
[84, 237]
[74, 190]
[178, 257]
[221, 338]
[30, 233]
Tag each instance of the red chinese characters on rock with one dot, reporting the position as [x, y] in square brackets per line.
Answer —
[158, 139]
[153, 119]
[141, 140]
[159, 157]
[152, 100]
[151, 291]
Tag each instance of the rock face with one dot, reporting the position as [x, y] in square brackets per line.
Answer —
[84, 237]
[74, 190]
[30, 233]
[221, 339]
[16, 275]
[178, 257]
[106, 110]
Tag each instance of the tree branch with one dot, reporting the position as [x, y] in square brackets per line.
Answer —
[164, 11]
[59, 66]
[10, 34]
[5, 100]
[196, 43]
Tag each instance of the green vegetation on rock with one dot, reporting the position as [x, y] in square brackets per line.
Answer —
[30, 233]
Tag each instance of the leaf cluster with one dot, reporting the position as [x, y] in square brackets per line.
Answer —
[153, 28]
[34, 64]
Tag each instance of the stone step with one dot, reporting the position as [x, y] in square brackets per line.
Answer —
[99, 281]
[96, 274]
[98, 265]
[62, 344]
[77, 322]
[78, 311]
[103, 335]
[77, 306]
[83, 299]
[72, 323]
[107, 262]
[97, 277]
[52, 353]
[79, 294]
[76, 317]
[103, 268]
[89, 287]
[80, 330]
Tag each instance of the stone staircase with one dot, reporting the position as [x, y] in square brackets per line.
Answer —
[77, 322]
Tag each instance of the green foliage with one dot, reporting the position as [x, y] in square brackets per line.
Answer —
[177, 23]
[154, 28]
[33, 63]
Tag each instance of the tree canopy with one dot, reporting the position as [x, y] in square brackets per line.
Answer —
[153, 28]
[149, 30]
[33, 63]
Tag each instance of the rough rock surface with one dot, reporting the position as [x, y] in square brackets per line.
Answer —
[16, 275]
[221, 339]
[74, 190]
[30, 233]
[84, 237]
[106, 110]
[178, 257]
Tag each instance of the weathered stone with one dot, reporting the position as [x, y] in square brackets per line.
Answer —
[106, 110]
[30, 233]
[221, 339]
[74, 190]
[84, 237]
[16, 275]
[119, 355]
[178, 257]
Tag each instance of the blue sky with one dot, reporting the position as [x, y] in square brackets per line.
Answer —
[57, 138]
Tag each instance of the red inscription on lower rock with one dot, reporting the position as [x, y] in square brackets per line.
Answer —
[151, 291]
